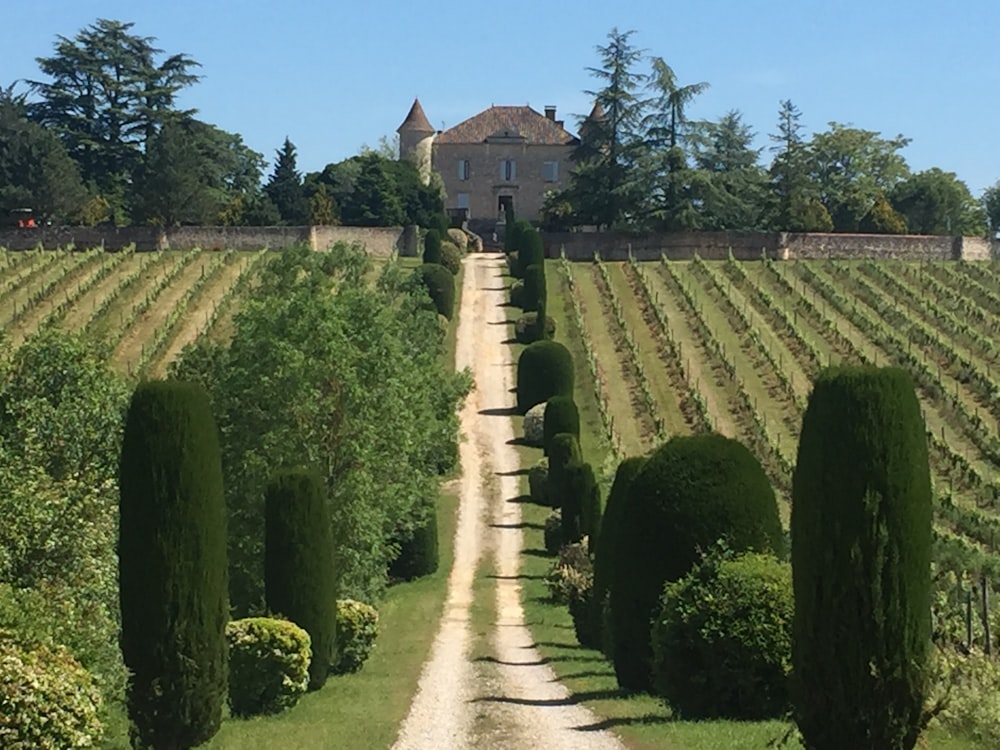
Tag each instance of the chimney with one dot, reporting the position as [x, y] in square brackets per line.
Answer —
[550, 112]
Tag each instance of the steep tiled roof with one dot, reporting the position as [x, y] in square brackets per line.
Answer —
[535, 127]
[416, 120]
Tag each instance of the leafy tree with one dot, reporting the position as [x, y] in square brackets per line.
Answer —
[665, 126]
[991, 206]
[937, 202]
[882, 218]
[323, 209]
[605, 186]
[796, 206]
[284, 188]
[106, 98]
[851, 167]
[35, 170]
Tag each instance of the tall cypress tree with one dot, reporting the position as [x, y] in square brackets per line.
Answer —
[172, 565]
[299, 578]
[861, 555]
[285, 189]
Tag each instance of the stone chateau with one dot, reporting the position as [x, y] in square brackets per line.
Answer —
[501, 156]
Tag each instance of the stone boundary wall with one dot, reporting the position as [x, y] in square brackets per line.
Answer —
[775, 245]
[378, 241]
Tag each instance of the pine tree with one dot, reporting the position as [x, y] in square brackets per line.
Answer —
[285, 190]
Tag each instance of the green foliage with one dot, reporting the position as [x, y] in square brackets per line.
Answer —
[991, 207]
[564, 451]
[882, 218]
[517, 294]
[418, 551]
[526, 328]
[284, 187]
[172, 565]
[570, 581]
[297, 383]
[299, 579]
[861, 554]
[561, 416]
[691, 492]
[538, 483]
[581, 503]
[515, 231]
[534, 425]
[722, 639]
[544, 370]
[269, 665]
[552, 533]
[440, 284]
[451, 257]
[47, 700]
[432, 247]
[459, 239]
[968, 688]
[937, 202]
[606, 543]
[530, 251]
[357, 629]
[534, 287]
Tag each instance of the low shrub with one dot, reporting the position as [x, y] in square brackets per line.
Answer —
[967, 686]
[440, 284]
[432, 246]
[459, 239]
[572, 574]
[418, 550]
[561, 415]
[268, 665]
[722, 639]
[544, 370]
[357, 629]
[526, 328]
[517, 293]
[553, 533]
[538, 481]
[451, 257]
[47, 700]
[534, 421]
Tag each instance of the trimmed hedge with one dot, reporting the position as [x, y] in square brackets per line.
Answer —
[561, 416]
[532, 250]
[526, 329]
[47, 700]
[440, 284]
[533, 425]
[517, 293]
[552, 533]
[691, 492]
[534, 287]
[269, 665]
[861, 555]
[581, 504]
[418, 553]
[357, 629]
[538, 483]
[544, 370]
[172, 565]
[565, 452]
[299, 580]
[722, 640]
[451, 257]
[432, 246]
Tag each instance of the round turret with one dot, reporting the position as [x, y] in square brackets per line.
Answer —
[416, 140]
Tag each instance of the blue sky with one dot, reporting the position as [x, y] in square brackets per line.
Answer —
[336, 75]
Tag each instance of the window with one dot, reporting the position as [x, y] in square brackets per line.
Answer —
[463, 200]
[508, 170]
[550, 171]
[463, 169]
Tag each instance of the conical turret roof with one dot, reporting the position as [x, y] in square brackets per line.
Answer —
[597, 113]
[416, 120]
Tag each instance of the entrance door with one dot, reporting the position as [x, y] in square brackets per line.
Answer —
[503, 202]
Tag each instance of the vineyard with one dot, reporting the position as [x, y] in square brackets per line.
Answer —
[678, 347]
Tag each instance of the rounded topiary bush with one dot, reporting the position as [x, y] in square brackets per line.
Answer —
[533, 425]
[861, 556]
[691, 492]
[269, 662]
[526, 328]
[722, 639]
[357, 629]
[47, 700]
[459, 239]
[299, 580]
[440, 284]
[534, 287]
[581, 503]
[451, 257]
[517, 293]
[432, 246]
[544, 370]
[552, 533]
[418, 551]
[565, 451]
[538, 481]
[561, 416]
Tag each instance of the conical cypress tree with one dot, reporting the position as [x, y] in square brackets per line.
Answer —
[561, 415]
[432, 247]
[565, 452]
[172, 565]
[534, 287]
[861, 554]
[299, 581]
[581, 504]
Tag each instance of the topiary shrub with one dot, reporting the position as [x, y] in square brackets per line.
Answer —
[604, 550]
[544, 370]
[432, 246]
[691, 492]
[565, 452]
[418, 551]
[534, 287]
[531, 250]
[451, 257]
[269, 665]
[861, 555]
[459, 239]
[299, 580]
[722, 639]
[357, 629]
[570, 582]
[581, 502]
[538, 481]
[561, 416]
[533, 424]
[172, 571]
[440, 284]
[526, 329]
[517, 294]
[47, 700]
[553, 533]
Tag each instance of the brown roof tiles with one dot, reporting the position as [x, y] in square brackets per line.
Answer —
[416, 120]
[533, 126]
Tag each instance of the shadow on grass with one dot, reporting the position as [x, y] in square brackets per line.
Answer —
[562, 645]
[518, 577]
[519, 441]
[534, 552]
[503, 411]
[521, 525]
[527, 500]
[509, 341]
[581, 675]
[494, 289]
[623, 721]
[500, 322]
[571, 700]
[494, 660]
